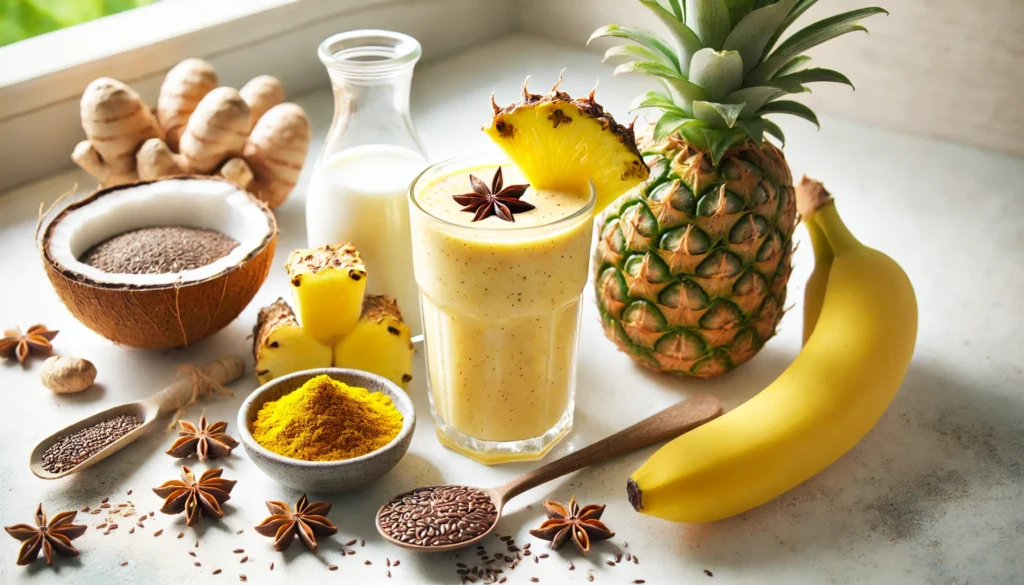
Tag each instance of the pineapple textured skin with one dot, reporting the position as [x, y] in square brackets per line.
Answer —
[691, 266]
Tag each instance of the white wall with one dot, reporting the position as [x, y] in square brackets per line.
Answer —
[946, 68]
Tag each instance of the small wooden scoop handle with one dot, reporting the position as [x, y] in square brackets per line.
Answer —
[222, 371]
[667, 424]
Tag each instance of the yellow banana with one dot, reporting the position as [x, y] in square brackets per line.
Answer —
[814, 292]
[830, 396]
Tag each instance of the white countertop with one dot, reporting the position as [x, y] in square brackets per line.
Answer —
[934, 494]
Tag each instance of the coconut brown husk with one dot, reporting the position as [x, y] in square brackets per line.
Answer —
[159, 316]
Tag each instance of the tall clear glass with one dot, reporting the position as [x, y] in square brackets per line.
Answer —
[371, 153]
[501, 317]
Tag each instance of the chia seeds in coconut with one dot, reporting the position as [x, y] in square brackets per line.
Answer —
[159, 250]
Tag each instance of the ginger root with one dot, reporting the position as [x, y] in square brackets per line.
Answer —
[276, 150]
[185, 85]
[249, 137]
[116, 123]
[216, 131]
[237, 172]
[155, 159]
[261, 93]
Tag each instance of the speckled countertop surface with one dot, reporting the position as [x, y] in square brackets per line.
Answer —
[934, 494]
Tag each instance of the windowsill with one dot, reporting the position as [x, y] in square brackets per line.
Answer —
[41, 79]
[139, 41]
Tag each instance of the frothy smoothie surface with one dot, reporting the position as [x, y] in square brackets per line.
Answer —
[549, 206]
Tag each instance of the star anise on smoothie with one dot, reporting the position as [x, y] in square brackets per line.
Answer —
[485, 201]
[581, 525]
[201, 497]
[19, 345]
[308, 521]
[48, 537]
[206, 441]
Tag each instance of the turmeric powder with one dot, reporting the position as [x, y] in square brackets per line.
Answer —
[327, 420]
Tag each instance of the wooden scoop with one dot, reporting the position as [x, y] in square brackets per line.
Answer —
[667, 424]
[170, 398]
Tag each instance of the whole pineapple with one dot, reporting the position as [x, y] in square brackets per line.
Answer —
[691, 266]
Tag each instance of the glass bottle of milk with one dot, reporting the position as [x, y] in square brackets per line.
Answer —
[359, 189]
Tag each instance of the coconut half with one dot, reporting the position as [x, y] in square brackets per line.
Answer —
[160, 311]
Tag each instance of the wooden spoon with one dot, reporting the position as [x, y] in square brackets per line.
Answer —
[667, 424]
[170, 398]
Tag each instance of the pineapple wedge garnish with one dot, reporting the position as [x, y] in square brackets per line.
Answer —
[281, 347]
[380, 343]
[328, 284]
[559, 143]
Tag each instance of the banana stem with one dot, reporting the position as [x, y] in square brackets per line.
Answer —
[816, 206]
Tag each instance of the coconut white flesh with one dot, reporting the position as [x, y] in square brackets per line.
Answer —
[215, 205]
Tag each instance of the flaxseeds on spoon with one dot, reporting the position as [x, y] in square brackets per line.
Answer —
[73, 449]
[438, 515]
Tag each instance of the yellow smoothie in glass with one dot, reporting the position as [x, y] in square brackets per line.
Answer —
[500, 303]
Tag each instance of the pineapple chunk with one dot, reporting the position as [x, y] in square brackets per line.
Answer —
[380, 343]
[327, 286]
[280, 346]
[559, 143]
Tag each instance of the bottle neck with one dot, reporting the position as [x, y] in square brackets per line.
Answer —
[371, 76]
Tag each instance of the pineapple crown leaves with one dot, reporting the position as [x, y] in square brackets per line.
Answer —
[724, 67]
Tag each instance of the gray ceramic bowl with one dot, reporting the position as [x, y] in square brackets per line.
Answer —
[326, 476]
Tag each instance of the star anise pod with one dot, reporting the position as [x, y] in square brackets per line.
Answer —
[582, 525]
[53, 536]
[308, 521]
[202, 497]
[18, 345]
[495, 200]
[205, 440]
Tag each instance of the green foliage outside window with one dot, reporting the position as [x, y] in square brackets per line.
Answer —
[22, 19]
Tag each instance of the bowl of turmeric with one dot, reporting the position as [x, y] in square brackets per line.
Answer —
[327, 430]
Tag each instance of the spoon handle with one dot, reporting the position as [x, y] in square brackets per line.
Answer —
[667, 424]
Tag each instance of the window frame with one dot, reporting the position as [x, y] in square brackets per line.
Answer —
[42, 78]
